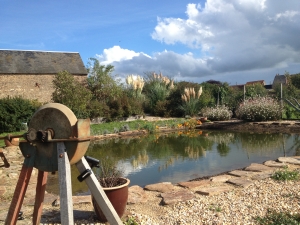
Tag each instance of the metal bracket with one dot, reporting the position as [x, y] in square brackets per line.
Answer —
[85, 174]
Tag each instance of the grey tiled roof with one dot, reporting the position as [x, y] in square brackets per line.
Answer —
[39, 62]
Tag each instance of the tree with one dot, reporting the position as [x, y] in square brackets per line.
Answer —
[71, 93]
[101, 82]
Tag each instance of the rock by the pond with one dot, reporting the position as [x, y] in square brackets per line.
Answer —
[261, 176]
[221, 178]
[136, 194]
[173, 197]
[214, 190]
[240, 182]
[242, 173]
[160, 187]
[193, 184]
[256, 167]
[289, 160]
[272, 163]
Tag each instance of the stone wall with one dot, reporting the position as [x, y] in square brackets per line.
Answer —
[29, 86]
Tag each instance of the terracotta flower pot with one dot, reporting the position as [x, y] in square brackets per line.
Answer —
[118, 197]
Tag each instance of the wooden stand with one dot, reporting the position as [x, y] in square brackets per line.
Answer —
[65, 186]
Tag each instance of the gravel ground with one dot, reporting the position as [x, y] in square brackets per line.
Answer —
[239, 206]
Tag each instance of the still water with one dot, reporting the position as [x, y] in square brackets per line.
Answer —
[182, 156]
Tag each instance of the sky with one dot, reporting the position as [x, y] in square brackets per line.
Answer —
[232, 41]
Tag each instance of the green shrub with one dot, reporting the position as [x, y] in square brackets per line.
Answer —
[217, 113]
[273, 217]
[14, 112]
[259, 109]
[284, 175]
[160, 109]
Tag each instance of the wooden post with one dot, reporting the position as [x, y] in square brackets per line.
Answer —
[99, 194]
[65, 186]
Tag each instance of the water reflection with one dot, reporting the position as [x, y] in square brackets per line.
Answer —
[181, 156]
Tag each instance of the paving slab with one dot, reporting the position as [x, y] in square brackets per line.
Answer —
[194, 184]
[136, 194]
[221, 178]
[256, 167]
[160, 187]
[242, 173]
[262, 176]
[272, 163]
[240, 182]
[289, 160]
[214, 190]
[173, 197]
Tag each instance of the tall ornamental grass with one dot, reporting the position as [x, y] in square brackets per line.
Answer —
[217, 113]
[259, 109]
[190, 101]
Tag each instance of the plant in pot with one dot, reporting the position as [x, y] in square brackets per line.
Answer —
[114, 185]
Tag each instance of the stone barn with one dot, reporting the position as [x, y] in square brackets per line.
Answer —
[279, 79]
[29, 74]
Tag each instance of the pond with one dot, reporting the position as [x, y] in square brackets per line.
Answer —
[183, 156]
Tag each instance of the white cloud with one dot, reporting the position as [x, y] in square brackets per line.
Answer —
[237, 34]
[116, 54]
[221, 37]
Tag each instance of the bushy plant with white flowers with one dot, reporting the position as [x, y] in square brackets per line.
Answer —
[217, 113]
[259, 109]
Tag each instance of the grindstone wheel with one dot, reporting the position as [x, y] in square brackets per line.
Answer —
[60, 123]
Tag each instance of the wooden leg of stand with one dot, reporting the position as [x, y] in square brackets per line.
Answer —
[65, 186]
[39, 197]
[99, 194]
[17, 200]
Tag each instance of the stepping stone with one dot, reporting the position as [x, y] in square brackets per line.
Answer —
[170, 198]
[242, 173]
[214, 190]
[262, 176]
[240, 182]
[256, 167]
[193, 184]
[160, 187]
[272, 163]
[289, 160]
[136, 194]
[221, 178]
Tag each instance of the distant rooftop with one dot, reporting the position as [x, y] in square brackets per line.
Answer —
[40, 62]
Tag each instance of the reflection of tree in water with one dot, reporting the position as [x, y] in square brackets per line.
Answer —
[141, 159]
[223, 140]
[295, 146]
[223, 149]
[168, 163]
[266, 143]
[184, 145]
[194, 152]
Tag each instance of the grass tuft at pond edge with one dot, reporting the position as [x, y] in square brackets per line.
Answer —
[285, 175]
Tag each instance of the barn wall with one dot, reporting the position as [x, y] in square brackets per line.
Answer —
[29, 86]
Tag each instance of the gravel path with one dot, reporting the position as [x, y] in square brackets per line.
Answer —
[239, 206]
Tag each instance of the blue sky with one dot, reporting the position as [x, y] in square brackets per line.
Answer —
[228, 40]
